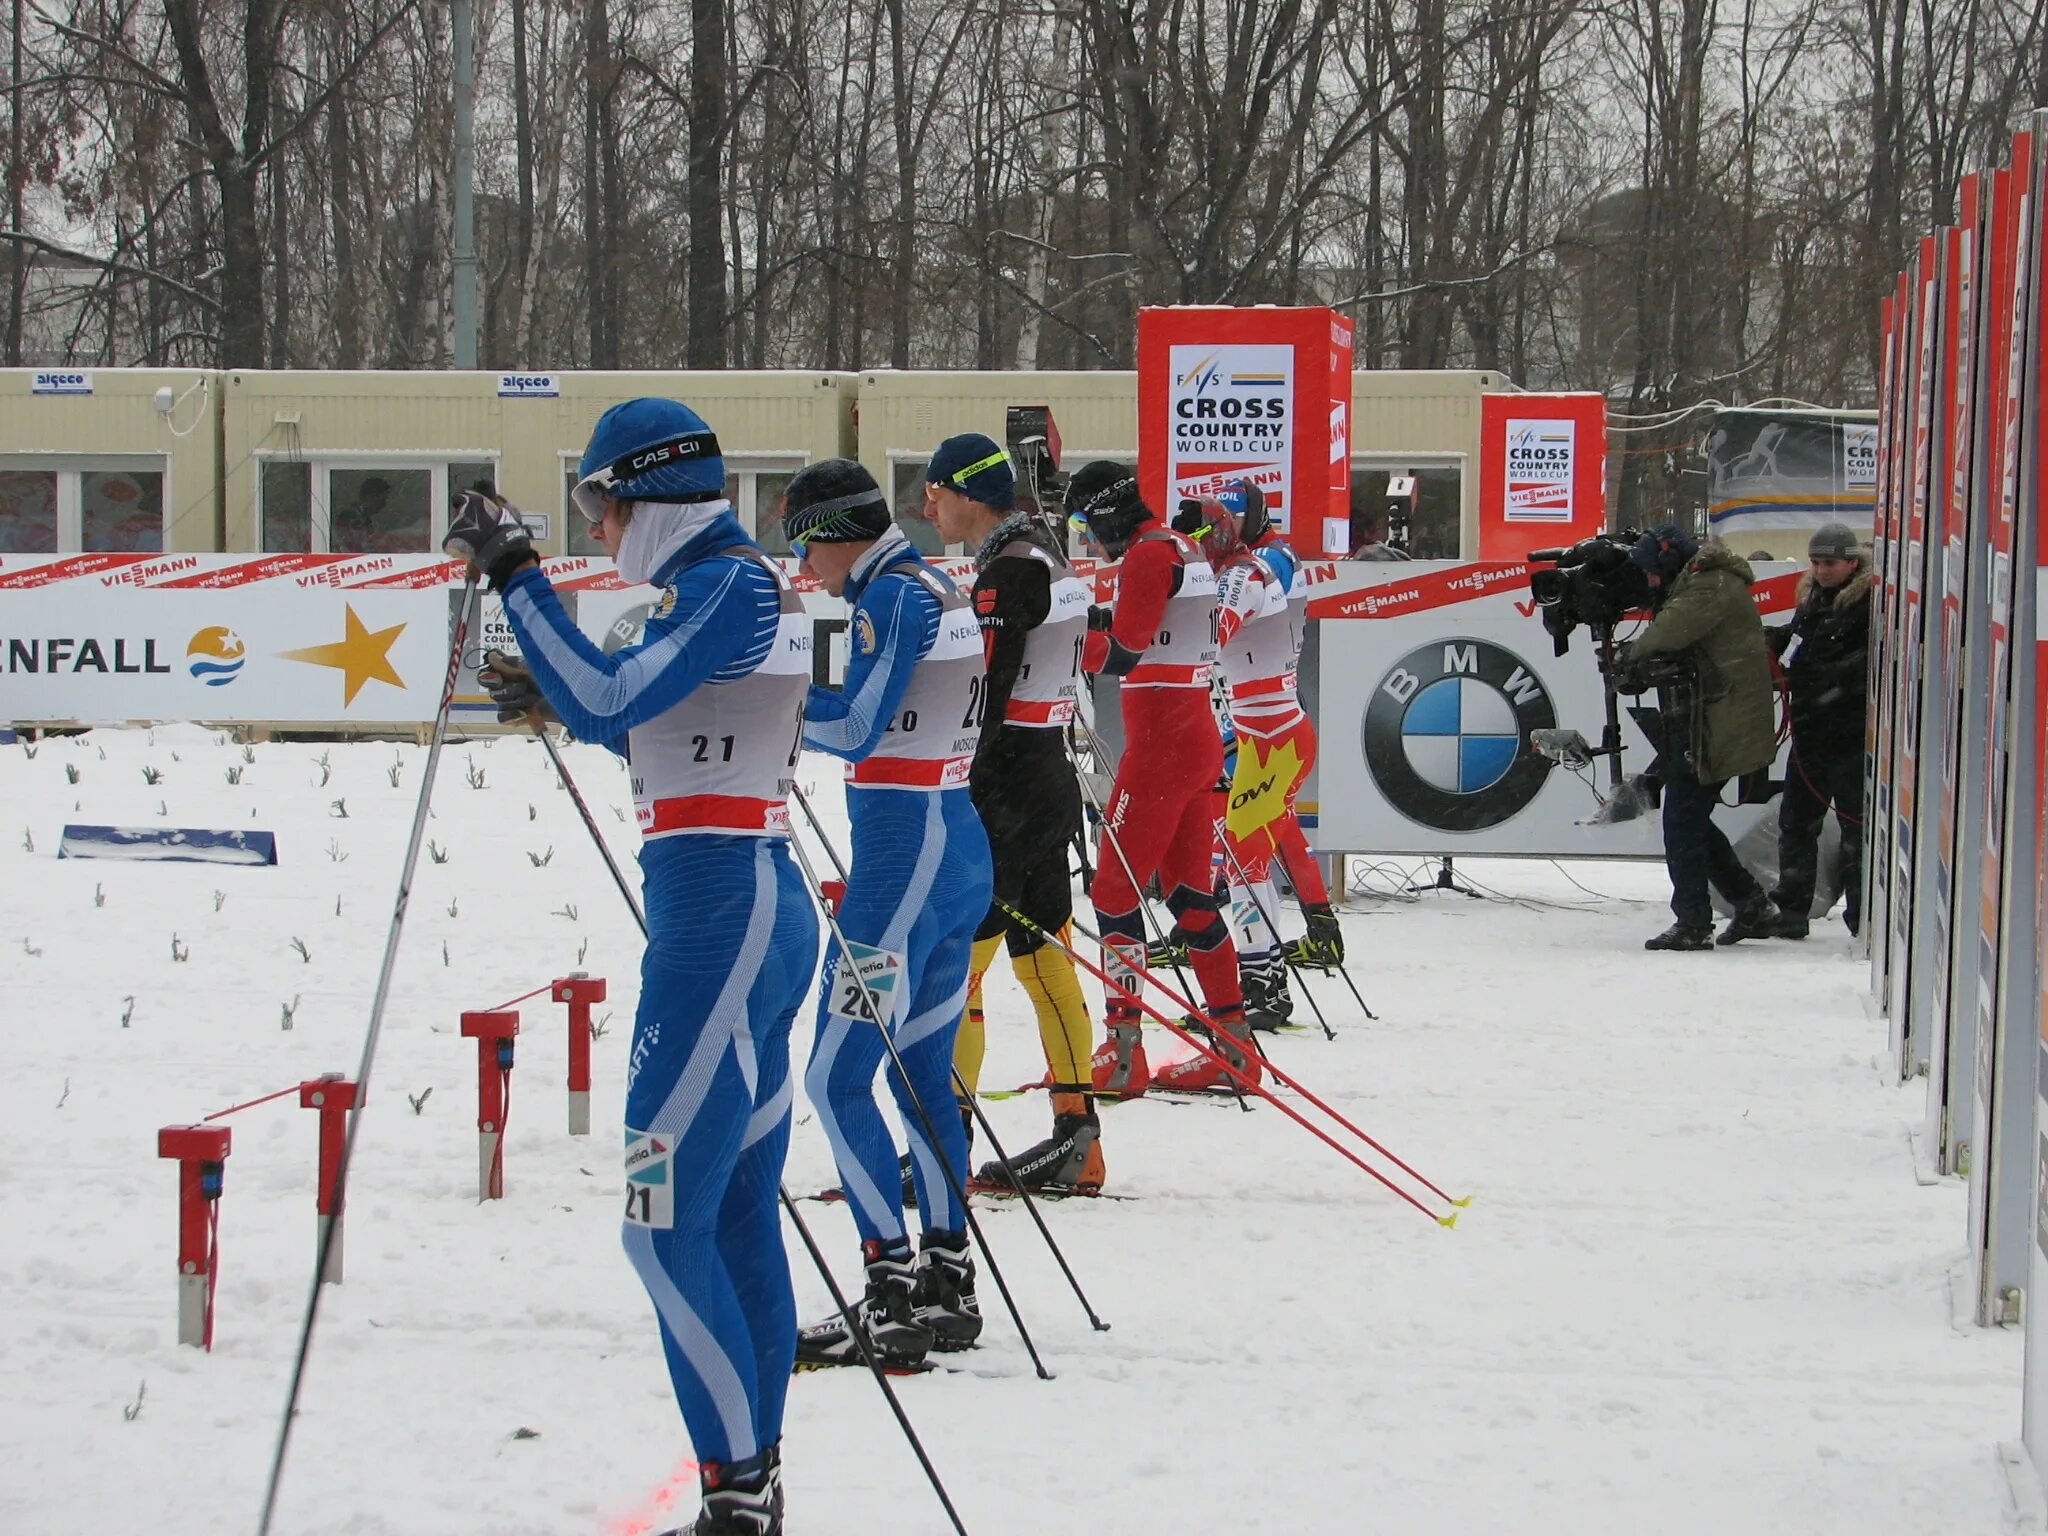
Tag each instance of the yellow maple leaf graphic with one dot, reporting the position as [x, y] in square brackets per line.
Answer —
[1259, 788]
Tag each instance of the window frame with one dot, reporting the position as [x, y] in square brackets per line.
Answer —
[69, 468]
[1408, 463]
[322, 464]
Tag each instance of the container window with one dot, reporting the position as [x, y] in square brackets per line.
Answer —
[121, 509]
[28, 511]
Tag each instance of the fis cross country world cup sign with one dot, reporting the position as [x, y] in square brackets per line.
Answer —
[1231, 418]
[1445, 733]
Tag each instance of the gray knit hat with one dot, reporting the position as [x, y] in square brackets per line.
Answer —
[1834, 541]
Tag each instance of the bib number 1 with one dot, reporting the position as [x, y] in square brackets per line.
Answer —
[874, 980]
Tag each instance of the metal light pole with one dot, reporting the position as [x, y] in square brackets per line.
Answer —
[464, 262]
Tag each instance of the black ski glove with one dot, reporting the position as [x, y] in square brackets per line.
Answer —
[512, 688]
[489, 534]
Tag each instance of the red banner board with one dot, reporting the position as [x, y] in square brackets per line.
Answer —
[1261, 394]
[1542, 472]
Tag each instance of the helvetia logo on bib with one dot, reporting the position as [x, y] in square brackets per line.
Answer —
[1447, 731]
[215, 656]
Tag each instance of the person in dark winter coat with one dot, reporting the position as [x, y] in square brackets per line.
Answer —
[1716, 729]
[1825, 650]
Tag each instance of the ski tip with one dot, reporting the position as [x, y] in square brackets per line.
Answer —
[1464, 1203]
[1449, 1222]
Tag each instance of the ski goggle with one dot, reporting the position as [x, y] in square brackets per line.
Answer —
[590, 493]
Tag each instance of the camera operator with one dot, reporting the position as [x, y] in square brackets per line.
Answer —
[1717, 722]
[1824, 649]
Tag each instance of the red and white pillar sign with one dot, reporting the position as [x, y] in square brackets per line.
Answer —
[1261, 394]
[1542, 472]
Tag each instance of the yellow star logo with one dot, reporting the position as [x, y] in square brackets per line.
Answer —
[362, 655]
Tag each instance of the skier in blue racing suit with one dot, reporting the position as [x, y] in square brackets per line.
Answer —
[908, 720]
[705, 707]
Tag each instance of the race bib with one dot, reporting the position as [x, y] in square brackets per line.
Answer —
[875, 980]
[650, 1180]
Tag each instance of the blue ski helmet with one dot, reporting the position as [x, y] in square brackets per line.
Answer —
[649, 450]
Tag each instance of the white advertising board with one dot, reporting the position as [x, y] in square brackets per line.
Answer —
[1431, 676]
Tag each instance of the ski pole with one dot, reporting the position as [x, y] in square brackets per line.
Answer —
[1144, 911]
[971, 1100]
[931, 1130]
[1250, 1086]
[1296, 1084]
[839, 1300]
[459, 627]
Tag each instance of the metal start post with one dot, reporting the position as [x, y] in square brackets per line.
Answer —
[579, 990]
[334, 1096]
[201, 1152]
[494, 1034]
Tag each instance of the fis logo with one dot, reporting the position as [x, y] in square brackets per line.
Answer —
[1445, 735]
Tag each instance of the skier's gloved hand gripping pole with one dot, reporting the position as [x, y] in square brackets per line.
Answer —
[954, 1182]
[967, 1097]
[845, 1308]
[1245, 1079]
[330, 1228]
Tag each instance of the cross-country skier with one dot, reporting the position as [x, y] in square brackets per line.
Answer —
[1033, 611]
[908, 719]
[1260, 610]
[1160, 639]
[705, 708]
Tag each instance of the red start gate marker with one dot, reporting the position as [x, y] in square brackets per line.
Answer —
[579, 991]
[201, 1152]
[334, 1096]
[493, 1032]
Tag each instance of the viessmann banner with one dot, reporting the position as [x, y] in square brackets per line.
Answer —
[1431, 677]
[287, 639]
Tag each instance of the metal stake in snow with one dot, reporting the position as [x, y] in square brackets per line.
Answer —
[201, 1152]
[579, 991]
[494, 1032]
[459, 627]
[334, 1096]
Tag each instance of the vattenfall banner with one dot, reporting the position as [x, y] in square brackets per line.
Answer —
[1431, 677]
[286, 639]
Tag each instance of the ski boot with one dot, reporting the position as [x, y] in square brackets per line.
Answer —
[1203, 1073]
[1267, 1002]
[1323, 945]
[1167, 953]
[741, 1498]
[1788, 925]
[1068, 1162]
[887, 1314]
[944, 1294]
[1683, 936]
[1754, 919]
[1119, 1068]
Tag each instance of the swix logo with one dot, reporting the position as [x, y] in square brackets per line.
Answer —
[1117, 809]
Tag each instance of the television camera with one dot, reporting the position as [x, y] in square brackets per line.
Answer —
[1595, 583]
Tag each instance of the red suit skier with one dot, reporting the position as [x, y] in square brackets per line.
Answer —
[1160, 639]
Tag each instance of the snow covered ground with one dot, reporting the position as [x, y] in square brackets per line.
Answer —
[1698, 1290]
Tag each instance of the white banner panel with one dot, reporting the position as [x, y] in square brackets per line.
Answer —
[1431, 677]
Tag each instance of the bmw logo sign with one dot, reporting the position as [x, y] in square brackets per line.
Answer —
[1447, 731]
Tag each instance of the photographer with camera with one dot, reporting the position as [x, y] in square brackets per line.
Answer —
[1704, 652]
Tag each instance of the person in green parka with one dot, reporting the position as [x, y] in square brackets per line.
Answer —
[1716, 729]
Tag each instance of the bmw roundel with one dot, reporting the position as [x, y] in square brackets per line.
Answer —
[1447, 732]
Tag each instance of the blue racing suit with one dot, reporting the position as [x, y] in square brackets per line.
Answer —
[707, 703]
[908, 720]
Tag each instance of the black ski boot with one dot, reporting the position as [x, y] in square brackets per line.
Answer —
[944, 1296]
[1323, 945]
[1754, 919]
[1068, 1162]
[1788, 925]
[887, 1314]
[1267, 1002]
[741, 1498]
[1683, 936]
